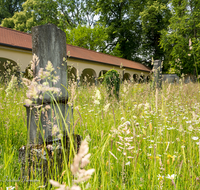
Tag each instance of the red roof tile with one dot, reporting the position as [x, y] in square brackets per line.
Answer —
[9, 37]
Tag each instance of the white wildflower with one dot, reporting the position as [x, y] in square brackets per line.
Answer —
[96, 102]
[160, 177]
[171, 176]
[195, 138]
[106, 107]
[128, 163]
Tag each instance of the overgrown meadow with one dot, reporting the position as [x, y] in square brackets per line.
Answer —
[147, 139]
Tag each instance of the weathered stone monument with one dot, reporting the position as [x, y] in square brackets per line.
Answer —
[49, 44]
[157, 74]
[49, 118]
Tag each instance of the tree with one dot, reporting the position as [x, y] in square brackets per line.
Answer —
[64, 14]
[121, 19]
[184, 27]
[155, 17]
[9, 7]
[93, 38]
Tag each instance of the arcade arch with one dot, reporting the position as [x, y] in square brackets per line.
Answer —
[135, 78]
[126, 77]
[8, 68]
[88, 76]
[72, 74]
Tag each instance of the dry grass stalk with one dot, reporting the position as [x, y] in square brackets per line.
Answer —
[80, 161]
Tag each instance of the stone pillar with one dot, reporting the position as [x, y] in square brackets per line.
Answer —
[157, 70]
[95, 81]
[49, 44]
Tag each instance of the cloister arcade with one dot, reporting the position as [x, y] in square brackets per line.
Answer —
[79, 70]
[88, 72]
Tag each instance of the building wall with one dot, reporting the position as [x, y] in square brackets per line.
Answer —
[22, 57]
[80, 67]
[98, 68]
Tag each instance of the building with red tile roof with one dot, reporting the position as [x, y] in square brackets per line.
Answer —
[17, 46]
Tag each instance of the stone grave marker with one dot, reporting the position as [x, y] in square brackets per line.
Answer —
[157, 74]
[49, 44]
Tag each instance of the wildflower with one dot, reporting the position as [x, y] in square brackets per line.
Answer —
[96, 102]
[97, 97]
[106, 107]
[146, 106]
[98, 94]
[10, 188]
[137, 124]
[160, 177]
[171, 176]
[128, 163]
[195, 138]
[190, 128]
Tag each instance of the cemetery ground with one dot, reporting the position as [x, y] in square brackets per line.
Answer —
[145, 140]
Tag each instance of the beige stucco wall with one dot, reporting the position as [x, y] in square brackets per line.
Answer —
[80, 65]
[22, 57]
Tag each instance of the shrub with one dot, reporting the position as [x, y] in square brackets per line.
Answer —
[112, 82]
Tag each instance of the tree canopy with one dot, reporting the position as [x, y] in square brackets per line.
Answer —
[9, 7]
[136, 30]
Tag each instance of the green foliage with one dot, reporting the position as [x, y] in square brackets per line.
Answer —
[121, 18]
[92, 38]
[148, 144]
[184, 25]
[64, 14]
[9, 7]
[155, 17]
[35, 12]
[112, 82]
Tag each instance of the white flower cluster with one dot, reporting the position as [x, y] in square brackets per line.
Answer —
[125, 139]
[97, 96]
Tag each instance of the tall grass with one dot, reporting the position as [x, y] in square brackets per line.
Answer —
[144, 140]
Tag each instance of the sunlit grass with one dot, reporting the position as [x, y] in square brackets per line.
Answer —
[162, 151]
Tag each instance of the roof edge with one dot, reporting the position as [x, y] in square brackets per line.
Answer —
[19, 47]
[108, 64]
[107, 55]
[15, 30]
